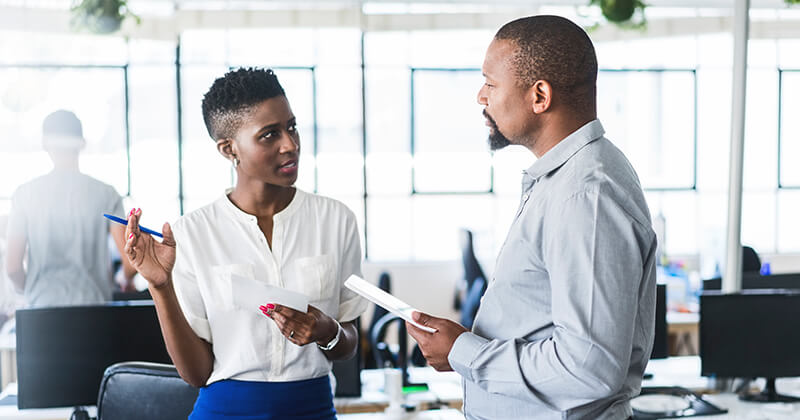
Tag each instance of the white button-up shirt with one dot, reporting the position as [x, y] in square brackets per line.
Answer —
[315, 248]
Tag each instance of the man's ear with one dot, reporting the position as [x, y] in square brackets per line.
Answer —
[225, 148]
[541, 96]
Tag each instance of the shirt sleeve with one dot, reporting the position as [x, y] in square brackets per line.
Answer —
[595, 257]
[186, 287]
[351, 304]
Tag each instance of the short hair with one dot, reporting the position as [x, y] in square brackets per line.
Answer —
[62, 130]
[232, 96]
[554, 49]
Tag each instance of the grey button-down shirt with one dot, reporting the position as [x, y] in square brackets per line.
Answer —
[566, 326]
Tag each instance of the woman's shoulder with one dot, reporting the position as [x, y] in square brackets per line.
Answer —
[323, 205]
[201, 215]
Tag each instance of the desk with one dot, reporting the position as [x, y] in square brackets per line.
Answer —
[444, 390]
[685, 372]
[446, 414]
[683, 333]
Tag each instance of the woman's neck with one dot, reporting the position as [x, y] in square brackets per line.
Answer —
[260, 199]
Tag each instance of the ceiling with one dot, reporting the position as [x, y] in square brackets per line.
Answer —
[164, 19]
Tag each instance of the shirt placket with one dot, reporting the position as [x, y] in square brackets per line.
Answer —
[271, 261]
[276, 254]
[527, 190]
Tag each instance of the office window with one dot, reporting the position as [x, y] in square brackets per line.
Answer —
[96, 94]
[650, 116]
[448, 141]
[789, 139]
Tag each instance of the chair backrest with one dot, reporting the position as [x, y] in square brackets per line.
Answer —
[472, 269]
[472, 301]
[370, 359]
[475, 281]
[750, 260]
[141, 391]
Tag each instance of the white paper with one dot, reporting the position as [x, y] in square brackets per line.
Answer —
[384, 300]
[250, 294]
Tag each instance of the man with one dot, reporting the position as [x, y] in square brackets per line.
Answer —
[565, 328]
[58, 219]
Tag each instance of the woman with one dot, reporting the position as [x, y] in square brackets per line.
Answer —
[252, 364]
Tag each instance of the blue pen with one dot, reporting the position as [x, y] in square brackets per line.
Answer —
[125, 222]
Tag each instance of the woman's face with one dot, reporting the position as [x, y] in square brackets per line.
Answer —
[268, 144]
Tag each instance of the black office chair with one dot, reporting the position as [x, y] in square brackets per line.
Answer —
[750, 260]
[140, 390]
[385, 284]
[475, 283]
[384, 357]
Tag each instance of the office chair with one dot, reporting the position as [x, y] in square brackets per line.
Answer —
[384, 357]
[750, 260]
[139, 390]
[469, 300]
[385, 284]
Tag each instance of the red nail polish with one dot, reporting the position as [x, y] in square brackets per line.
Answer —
[130, 236]
[270, 306]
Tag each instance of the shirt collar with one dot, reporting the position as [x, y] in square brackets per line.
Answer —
[226, 202]
[561, 152]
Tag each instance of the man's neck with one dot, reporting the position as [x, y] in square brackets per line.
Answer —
[65, 163]
[556, 130]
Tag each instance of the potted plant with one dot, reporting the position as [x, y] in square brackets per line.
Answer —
[622, 12]
[100, 16]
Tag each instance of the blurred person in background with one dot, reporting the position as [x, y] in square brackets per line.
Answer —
[57, 236]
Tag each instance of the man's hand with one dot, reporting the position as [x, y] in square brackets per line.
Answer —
[435, 346]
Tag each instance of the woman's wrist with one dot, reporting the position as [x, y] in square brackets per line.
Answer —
[331, 340]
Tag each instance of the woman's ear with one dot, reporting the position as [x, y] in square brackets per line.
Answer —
[225, 148]
[541, 96]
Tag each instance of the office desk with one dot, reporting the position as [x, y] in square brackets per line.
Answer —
[444, 391]
[445, 414]
[683, 333]
[685, 372]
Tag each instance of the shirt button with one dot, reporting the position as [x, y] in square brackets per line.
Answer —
[525, 197]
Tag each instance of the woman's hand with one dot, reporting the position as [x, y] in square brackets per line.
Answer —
[152, 259]
[302, 328]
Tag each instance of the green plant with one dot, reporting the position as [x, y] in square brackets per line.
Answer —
[100, 16]
[622, 12]
[791, 2]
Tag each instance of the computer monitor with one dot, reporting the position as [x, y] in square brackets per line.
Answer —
[755, 333]
[62, 352]
[757, 281]
[660, 345]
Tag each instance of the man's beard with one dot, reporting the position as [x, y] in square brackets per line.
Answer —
[497, 140]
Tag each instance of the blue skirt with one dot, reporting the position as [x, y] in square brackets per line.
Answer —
[310, 399]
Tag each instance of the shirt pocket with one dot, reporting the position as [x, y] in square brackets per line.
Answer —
[315, 277]
[222, 286]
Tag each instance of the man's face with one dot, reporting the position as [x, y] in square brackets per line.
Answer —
[268, 144]
[503, 100]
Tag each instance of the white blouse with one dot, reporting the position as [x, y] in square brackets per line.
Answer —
[315, 248]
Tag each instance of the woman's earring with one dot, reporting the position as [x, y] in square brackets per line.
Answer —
[235, 162]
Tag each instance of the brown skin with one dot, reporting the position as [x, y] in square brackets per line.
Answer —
[535, 117]
[264, 144]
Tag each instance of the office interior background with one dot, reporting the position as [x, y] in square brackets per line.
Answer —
[385, 97]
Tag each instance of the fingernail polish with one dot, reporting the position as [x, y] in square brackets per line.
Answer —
[271, 306]
[131, 236]
[131, 213]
